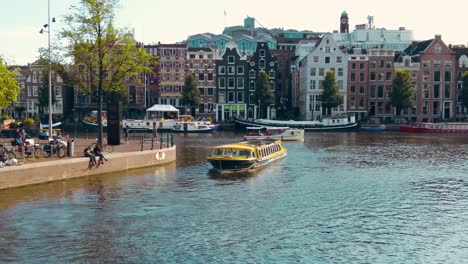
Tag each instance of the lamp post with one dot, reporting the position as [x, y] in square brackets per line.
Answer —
[50, 66]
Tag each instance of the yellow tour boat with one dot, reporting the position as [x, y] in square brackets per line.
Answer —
[246, 155]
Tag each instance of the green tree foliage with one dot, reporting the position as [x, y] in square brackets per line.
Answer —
[104, 57]
[465, 89]
[191, 93]
[9, 88]
[43, 93]
[330, 96]
[403, 92]
[263, 94]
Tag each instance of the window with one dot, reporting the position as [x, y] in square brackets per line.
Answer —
[231, 83]
[448, 64]
[315, 58]
[447, 89]
[448, 76]
[231, 70]
[200, 56]
[252, 74]
[230, 97]
[437, 48]
[353, 65]
[372, 64]
[436, 63]
[231, 59]
[201, 77]
[202, 91]
[437, 76]
[327, 59]
[222, 82]
[380, 91]
[361, 66]
[240, 70]
[372, 91]
[261, 64]
[272, 74]
[240, 82]
[361, 76]
[313, 84]
[338, 59]
[352, 89]
[313, 71]
[436, 90]
[262, 53]
[252, 86]
[210, 77]
[353, 76]
[192, 56]
[426, 91]
[210, 90]
[221, 70]
[425, 108]
[388, 76]
[340, 84]
[361, 103]
[240, 97]
[361, 89]
[58, 91]
[222, 97]
[321, 71]
[35, 91]
[327, 49]
[340, 71]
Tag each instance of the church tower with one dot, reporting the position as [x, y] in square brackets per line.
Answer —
[344, 23]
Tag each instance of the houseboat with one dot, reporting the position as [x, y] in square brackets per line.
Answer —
[337, 123]
[162, 117]
[246, 155]
[283, 133]
[424, 127]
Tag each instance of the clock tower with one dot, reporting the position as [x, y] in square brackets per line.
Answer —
[344, 23]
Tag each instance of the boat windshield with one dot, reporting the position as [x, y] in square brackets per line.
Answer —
[244, 153]
[217, 152]
[230, 152]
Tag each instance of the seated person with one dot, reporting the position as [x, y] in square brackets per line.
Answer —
[92, 158]
[98, 153]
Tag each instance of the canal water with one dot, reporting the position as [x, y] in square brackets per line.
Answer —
[336, 198]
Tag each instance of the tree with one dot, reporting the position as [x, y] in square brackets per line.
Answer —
[43, 93]
[465, 89]
[403, 92]
[9, 89]
[330, 96]
[263, 93]
[103, 55]
[191, 93]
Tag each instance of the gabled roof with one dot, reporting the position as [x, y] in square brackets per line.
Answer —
[417, 47]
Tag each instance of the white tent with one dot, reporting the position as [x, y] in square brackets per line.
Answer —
[162, 108]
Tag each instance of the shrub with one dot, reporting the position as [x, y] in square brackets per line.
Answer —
[14, 125]
[5, 117]
[28, 122]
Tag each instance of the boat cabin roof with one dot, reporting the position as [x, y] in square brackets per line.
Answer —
[162, 108]
[247, 145]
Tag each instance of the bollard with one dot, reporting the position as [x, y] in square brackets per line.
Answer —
[70, 147]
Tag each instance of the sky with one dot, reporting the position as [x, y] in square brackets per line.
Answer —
[170, 21]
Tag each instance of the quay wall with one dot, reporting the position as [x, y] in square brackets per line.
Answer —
[69, 168]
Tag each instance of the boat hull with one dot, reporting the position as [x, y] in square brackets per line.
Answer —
[302, 125]
[373, 128]
[207, 130]
[232, 165]
[452, 128]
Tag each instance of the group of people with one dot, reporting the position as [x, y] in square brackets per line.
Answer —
[92, 153]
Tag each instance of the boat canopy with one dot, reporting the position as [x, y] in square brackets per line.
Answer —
[162, 108]
[162, 111]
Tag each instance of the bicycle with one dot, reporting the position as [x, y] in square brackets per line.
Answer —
[105, 147]
[55, 148]
[9, 152]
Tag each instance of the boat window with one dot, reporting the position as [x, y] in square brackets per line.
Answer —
[244, 153]
[230, 152]
[217, 152]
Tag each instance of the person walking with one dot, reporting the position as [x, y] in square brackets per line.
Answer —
[126, 130]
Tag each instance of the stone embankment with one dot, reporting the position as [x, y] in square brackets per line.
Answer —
[125, 157]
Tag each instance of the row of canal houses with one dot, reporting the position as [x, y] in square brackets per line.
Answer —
[226, 66]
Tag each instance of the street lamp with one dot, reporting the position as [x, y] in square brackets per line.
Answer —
[50, 66]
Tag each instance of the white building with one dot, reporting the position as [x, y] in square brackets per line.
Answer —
[313, 68]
